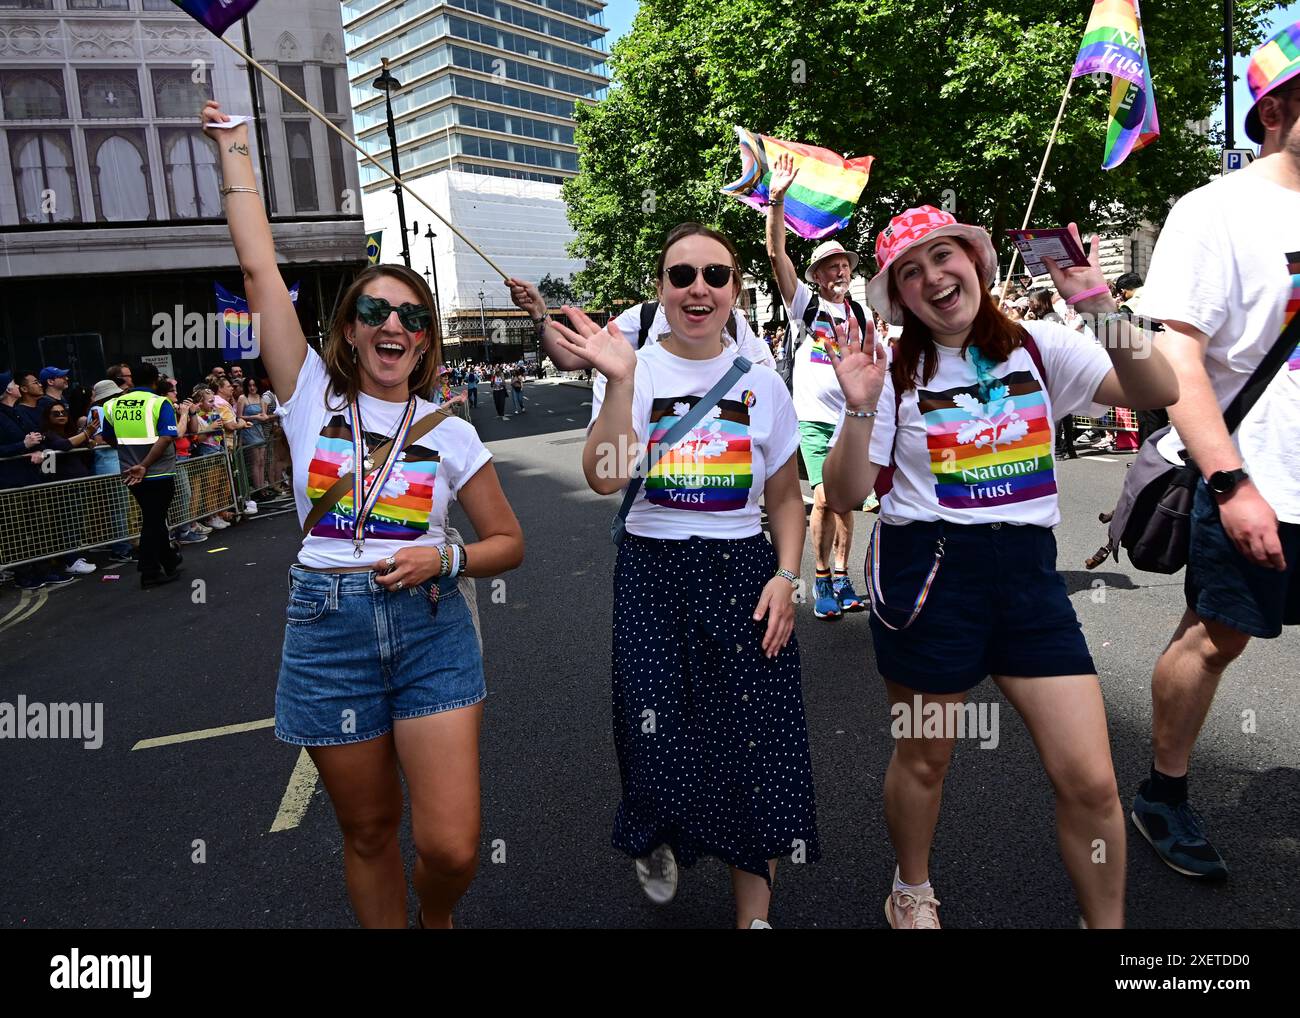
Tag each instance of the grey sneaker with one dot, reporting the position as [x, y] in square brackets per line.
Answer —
[657, 873]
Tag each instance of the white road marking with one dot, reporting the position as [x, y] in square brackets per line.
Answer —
[29, 603]
[1097, 459]
[297, 794]
[204, 733]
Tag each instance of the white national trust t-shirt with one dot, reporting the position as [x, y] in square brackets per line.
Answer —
[967, 454]
[709, 483]
[412, 507]
[1228, 264]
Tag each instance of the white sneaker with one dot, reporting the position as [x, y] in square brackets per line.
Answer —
[759, 924]
[217, 523]
[658, 875]
[199, 528]
[250, 508]
[80, 568]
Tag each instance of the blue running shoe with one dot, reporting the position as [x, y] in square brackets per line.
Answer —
[1177, 833]
[827, 605]
[847, 596]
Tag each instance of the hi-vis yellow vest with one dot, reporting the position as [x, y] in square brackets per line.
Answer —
[134, 416]
[134, 419]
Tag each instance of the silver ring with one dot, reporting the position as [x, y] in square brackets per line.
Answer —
[400, 585]
[391, 562]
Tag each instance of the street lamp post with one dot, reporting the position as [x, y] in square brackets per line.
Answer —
[387, 84]
[1228, 138]
[433, 265]
[482, 317]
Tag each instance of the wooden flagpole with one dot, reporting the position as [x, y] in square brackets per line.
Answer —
[348, 138]
[1037, 184]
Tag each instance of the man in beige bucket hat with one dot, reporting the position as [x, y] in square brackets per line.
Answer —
[818, 400]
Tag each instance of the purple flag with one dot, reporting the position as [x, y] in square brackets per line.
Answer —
[215, 15]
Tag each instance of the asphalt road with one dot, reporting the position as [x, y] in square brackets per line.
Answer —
[111, 837]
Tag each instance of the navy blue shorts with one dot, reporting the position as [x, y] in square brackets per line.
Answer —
[997, 607]
[1222, 586]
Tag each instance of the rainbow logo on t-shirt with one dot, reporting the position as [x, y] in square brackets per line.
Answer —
[1292, 306]
[823, 338]
[402, 512]
[994, 453]
[711, 468]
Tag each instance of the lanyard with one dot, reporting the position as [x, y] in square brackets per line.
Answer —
[878, 599]
[362, 501]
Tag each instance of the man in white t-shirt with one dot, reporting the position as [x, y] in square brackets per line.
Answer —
[1225, 280]
[818, 400]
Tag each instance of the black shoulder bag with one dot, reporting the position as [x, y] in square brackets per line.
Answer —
[1153, 518]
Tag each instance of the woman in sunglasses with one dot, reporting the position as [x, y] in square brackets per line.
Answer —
[962, 567]
[707, 705]
[381, 674]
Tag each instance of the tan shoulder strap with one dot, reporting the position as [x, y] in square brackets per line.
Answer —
[344, 484]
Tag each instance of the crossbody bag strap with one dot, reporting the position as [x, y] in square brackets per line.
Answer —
[344, 484]
[693, 417]
[1262, 376]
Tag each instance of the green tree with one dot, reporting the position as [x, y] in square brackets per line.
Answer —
[557, 291]
[954, 98]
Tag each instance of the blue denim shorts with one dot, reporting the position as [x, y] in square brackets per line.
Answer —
[358, 657]
[997, 607]
[1223, 586]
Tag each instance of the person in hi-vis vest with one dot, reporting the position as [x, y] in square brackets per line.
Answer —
[142, 425]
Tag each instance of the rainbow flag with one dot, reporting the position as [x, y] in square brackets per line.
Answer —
[215, 15]
[1113, 43]
[826, 187]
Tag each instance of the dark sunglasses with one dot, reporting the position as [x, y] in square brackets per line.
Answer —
[375, 311]
[716, 276]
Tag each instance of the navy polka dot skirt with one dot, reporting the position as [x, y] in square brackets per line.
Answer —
[710, 733]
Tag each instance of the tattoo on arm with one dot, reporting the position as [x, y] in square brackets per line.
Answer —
[238, 147]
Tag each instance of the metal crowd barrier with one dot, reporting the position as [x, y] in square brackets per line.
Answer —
[44, 521]
[1116, 418]
[58, 518]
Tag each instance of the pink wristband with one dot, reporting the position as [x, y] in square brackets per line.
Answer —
[1096, 291]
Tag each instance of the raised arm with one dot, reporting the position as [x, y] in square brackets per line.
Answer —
[860, 364]
[1141, 378]
[787, 279]
[526, 297]
[282, 344]
[612, 449]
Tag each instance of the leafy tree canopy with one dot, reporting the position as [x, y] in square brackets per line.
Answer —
[954, 98]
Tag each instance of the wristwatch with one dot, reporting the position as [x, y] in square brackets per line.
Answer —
[1224, 482]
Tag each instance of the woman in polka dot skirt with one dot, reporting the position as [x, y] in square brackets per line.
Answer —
[707, 704]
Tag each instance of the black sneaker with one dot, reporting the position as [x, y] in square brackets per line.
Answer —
[1177, 833]
[158, 580]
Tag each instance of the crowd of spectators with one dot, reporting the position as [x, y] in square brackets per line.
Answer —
[51, 431]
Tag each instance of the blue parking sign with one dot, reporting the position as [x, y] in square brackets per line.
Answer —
[1237, 159]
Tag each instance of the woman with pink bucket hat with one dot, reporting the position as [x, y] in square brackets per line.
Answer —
[962, 564]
